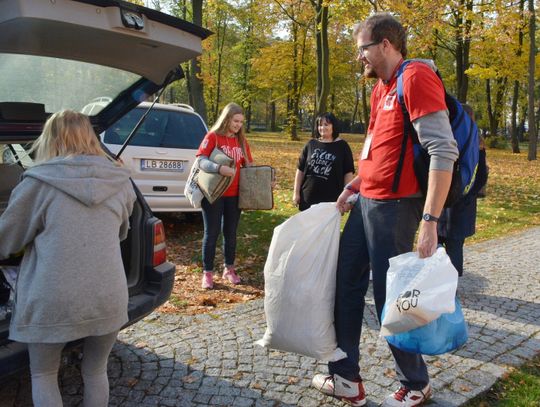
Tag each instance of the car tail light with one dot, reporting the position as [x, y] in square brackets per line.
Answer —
[160, 248]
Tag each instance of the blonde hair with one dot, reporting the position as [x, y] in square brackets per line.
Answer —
[222, 124]
[67, 133]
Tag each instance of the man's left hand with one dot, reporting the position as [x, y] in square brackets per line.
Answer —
[427, 239]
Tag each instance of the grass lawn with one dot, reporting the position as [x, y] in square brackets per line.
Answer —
[512, 204]
[521, 388]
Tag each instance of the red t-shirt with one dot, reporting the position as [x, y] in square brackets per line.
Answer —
[423, 94]
[231, 147]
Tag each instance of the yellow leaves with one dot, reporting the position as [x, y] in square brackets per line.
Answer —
[482, 73]
[292, 380]
[189, 379]
[390, 373]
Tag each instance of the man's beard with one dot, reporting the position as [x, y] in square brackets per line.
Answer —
[369, 72]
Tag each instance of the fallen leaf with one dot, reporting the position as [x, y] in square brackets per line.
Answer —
[189, 379]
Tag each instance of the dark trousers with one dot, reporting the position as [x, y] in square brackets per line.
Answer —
[221, 216]
[454, 249]
[376, 230]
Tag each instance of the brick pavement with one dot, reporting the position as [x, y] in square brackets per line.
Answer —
[211, 360]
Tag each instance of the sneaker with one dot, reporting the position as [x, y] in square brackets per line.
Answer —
[207, 280]
[405, 397]
[351, 392]
[230, 274]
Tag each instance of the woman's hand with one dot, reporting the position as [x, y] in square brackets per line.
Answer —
[226, 171]
[296, 198]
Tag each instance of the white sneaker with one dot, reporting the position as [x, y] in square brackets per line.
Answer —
[405, 397]
[351, 392]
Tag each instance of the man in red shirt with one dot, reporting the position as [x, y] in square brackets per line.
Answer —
[383, 222]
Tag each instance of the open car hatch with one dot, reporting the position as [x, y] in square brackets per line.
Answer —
[100, 57]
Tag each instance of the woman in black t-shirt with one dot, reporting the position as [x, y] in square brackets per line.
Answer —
[325, 165]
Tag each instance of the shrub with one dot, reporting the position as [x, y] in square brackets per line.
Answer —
[498, 142]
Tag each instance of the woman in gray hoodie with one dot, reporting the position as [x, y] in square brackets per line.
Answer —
[69, 213]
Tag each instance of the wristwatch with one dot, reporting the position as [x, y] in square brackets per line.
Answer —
[429, 218]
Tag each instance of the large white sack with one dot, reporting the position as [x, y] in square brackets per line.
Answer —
[418, 291]
[300, 284]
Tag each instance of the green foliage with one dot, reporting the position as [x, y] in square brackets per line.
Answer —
[250, 58]
[498, 142]
[521, 388]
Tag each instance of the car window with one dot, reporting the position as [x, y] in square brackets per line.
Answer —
[63, 84]
[16, 154]
[161, 128]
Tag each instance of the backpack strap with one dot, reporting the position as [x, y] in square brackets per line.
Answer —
[408, 129]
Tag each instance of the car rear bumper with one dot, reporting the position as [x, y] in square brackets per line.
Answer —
[170, 203]
[14, 355]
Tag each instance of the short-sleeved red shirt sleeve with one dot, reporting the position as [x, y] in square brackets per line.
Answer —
[231, 147]
[423, 94]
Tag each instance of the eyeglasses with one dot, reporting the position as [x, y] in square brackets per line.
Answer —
[363, 48]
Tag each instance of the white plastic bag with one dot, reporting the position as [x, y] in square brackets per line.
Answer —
[418, 291]
[300, 284]
[191, 190]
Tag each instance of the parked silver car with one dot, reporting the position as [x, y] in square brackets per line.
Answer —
[161, 152]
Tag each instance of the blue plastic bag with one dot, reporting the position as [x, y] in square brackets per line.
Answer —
[445, 334]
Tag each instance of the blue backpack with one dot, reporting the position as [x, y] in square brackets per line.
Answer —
[466, 134]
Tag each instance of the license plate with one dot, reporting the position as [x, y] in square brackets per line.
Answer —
[163, 165]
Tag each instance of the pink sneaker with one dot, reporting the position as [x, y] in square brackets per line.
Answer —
[230, 274]
[207, 280]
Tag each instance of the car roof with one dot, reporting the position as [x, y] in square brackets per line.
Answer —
[100, 32]
[175, 107]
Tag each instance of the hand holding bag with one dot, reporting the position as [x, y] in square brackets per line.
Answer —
[213, 185]
[255, 191]
[418, 291]
[191, 190]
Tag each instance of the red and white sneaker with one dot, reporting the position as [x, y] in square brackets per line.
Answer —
[405, 397]
[351, 392]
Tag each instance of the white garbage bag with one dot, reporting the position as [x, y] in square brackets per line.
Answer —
[300, 284]
[418, 291]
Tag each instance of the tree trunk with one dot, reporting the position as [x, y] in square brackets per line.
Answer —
[247, 111]
[365, 106]
[220, 65]
[532, 54]
[491, 116]
[246, 67]
[273, 126]
[513, 123]
[515, 97]
[323, 76]
[495, 109]
[463, 42]
[195, 84]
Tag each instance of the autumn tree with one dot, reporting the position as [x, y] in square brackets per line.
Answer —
[532, 67]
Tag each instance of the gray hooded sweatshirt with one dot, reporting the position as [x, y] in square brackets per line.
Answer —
[69, 215]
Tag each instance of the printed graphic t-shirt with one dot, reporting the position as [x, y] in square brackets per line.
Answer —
[424, 94]
[324, 166]
[231, 147]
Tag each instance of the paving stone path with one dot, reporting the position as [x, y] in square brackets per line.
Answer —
[211, 360]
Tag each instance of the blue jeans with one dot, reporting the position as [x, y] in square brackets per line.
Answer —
[221, 216]
[375, 231]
